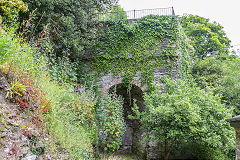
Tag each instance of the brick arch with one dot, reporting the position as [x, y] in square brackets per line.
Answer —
[119, 81]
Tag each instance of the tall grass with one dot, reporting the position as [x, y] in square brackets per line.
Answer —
[63, 121]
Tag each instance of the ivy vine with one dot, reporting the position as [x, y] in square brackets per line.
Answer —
[126, 48]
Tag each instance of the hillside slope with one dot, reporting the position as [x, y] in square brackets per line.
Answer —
[20, 138]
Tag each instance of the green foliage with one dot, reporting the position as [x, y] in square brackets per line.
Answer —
[20, 66]
[85, 107]
[16, 89]
[126, 48]
[9, 10]
[34, 148]
[64, 31]
[62, 69]
[206, 37]
[71, 24]
[222, 73]
[110, 121]
[17, 93]
[208, 71]
[184, 112]
[19, 55]
[186, 51]
[229, 86]
[70, 124]
[116, 13]
[64, 123]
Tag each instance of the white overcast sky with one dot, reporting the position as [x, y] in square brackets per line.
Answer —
[225, 12]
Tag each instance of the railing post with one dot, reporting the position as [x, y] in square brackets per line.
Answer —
[134, 13]
[173, 13]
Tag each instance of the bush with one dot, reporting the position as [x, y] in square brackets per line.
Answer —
[184, 112]
[222, 73]
[23, 71]
[9, 10]
[109, 116]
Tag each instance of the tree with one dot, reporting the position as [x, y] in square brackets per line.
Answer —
[187, 113]
[208, 71]
[70, 24]
[116, 14]
[206, 37]
[220, 72]
[9, 10]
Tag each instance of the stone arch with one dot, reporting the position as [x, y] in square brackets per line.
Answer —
[106, 88]
[132, 136]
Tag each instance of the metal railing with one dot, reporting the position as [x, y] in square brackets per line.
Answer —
[135, 14]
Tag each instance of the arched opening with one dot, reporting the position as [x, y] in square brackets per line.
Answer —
[132, 136]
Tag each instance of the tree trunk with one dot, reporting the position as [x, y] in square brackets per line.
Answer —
[166, 150]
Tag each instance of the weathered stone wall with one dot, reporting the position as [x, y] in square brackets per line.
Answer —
[106, 81]
[235, 122]
[133, 135]
[237, 143]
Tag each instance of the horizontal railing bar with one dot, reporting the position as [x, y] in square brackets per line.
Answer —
[148, 9]
[136, 14]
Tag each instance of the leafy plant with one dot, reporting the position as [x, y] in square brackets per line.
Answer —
[24, 91]
[18, 63]
[221, 72]
[110, 122]
[115, 13]
[72, 126]
[85, 107]
[185, 113]
[17, 94]
[127, 48]
[16, 89]
[9, 10]
[36, 150]
[206, 37]
[71, 24]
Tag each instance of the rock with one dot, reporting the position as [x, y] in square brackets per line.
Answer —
[6, 150]
[4, 134]
[40, 144]
[13, 123]
[25, 150]
[31, 157]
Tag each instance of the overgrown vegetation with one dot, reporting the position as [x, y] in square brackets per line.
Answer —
[186, 114]
[126, 48]
[9, 11]
[206, 37]
[70, 25]
[64, 39]
[61, 100]
[110, 122]
[221, 73]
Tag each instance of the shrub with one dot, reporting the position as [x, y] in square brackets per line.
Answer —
[110, 122]
[22, 69]
[222, 73]
[9, 10]
[185, 113]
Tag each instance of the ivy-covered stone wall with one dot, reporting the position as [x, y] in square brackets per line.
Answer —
[138, 54]
[141, 52]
